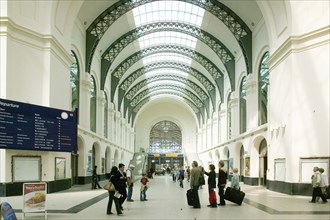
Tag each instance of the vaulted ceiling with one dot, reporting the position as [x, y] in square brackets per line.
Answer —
[183, 49]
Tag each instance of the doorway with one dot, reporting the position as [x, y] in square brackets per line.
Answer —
[263, 163]
[74, 169]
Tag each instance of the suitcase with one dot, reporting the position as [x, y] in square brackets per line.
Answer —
[327, 193]
[190, 197]
[233, 195]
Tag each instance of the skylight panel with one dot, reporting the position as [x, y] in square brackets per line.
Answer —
[167, 57]
[169, 11]
[166, 71]
[168, 37]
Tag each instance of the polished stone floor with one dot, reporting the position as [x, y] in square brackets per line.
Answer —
[166, 200]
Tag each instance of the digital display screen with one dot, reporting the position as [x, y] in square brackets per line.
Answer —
[32, 127]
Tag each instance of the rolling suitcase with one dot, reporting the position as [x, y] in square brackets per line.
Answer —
[233, 195]
[190, 197]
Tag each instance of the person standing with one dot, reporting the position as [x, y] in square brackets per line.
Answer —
[316, 183]
[174, 173]
[112, 197]
[188, 173]
[222, 180]
[95, 179]
[211, 181]
[235, 179]
[194, 183]
[130, 182]
[121, 184]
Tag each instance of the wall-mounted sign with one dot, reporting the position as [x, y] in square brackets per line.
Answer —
[165, 155]
[32, 127]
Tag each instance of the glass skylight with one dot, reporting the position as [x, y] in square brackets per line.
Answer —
[167, 57]
[168, 11]
[168, 37]
[170, 71]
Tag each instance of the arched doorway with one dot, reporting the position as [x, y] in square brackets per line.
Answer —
[165, 146]
[241, 164]
[263, 163]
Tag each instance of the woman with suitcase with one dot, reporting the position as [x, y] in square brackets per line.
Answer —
[211, 186]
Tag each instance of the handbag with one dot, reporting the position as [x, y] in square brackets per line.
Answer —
[109, 186]
[201, 180]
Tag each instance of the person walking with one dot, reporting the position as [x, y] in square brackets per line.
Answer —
[130, 182]
[144, 186]
[316, 183]
[112, 197]
[194, 183]
[222, 180]
[181, 176]
[121, 184]
[211, 182]
[95, 179]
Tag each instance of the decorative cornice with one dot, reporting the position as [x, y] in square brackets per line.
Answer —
[38, 41]
[296, 44]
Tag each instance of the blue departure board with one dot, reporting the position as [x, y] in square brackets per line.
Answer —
[32, 127]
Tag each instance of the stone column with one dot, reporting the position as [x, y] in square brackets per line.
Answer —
[234, 115]
[251, 102]
[111, 127]
[100, 104]
[223, 123]
[84, 103]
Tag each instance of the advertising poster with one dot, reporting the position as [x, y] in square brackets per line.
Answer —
[34, 197]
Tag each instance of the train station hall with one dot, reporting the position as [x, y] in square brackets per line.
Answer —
[155, 95]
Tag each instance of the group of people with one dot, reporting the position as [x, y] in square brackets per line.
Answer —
[319, 183]
[122, 180]
[197, 173]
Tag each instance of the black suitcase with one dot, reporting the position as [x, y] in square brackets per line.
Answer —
[190, 197]
[327, 192]
[233, 195]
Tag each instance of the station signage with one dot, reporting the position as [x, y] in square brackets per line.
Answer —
[165, 155]
[31, 127]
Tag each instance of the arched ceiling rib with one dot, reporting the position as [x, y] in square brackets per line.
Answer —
[164, 93]
[236, 25]
[130, 81]
[184, 86]
[121, 69]
[128, 74]
[220, 50]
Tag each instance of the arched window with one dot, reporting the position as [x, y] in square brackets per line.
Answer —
[74, 81]
[106, 116]
[242, 106]
[93, 104]
[165, 137]
[229, 117]
[263, 89]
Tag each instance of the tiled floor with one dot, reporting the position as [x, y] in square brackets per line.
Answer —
[166, 200]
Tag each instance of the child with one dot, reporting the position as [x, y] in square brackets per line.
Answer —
[235, 179]
[144, 186]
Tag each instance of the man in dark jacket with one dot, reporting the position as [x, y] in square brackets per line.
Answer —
[121, 184]
[222, 180]
[95, 179]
